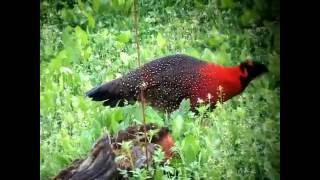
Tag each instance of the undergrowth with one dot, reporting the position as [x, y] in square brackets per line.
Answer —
[85, 43]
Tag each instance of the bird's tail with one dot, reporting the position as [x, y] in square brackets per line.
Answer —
[109, 93]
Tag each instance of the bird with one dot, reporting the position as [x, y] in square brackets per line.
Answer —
[165, 81]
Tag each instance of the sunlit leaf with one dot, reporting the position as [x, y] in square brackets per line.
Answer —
[161, 41]
[208, 55]
[177, 126]
[81, 35]
[91, 21]
[124, 57]
[124, 36]
[185, 105]
[153, 116]
[193, 52]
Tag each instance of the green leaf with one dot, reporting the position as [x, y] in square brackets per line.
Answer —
[87, 53]
[124, 37]
[96, 5]
[82, 36]
[177, 126]
[61, 159]
[208, 55]
[222, 57]
[66, 70]
[185, 105]
[81, 5]
[152, 116]
[66, 143]
[193, 52]
[161, 41]
[124, 57]
[190, 148]
[68, 39]
[117, 115]
[68, 15]
[275, 65]
[276, 39]
[138, 113]
[249, 16]
[260, 5]
[146, 53]
[86, 138]
[227, 4]
[91, 21]
[121, 2]
[114, 126]
[73, 53]
[59, 61]
[75, 101]
[97, 127]
[158, 175]
[215, 40]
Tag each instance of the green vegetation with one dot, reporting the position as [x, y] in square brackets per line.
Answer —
[84, 43]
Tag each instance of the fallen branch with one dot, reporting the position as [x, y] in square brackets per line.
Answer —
[101, 163]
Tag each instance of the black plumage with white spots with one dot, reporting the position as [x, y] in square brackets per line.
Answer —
[165, 81]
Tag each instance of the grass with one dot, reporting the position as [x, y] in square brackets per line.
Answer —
[86, 43]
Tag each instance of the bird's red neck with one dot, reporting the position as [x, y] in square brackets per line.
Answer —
[218, 83]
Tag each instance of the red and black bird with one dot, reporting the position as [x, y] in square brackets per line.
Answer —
[166, 81]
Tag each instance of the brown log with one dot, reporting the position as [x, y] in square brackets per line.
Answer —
[100, 163]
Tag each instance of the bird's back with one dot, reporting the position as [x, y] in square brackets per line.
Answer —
[171, 79]
[166, 81]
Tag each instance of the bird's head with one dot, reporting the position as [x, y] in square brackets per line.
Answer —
[250, 70]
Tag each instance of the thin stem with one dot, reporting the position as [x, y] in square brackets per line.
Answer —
[136, 20]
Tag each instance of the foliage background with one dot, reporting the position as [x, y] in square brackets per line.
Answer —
[85, 43]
